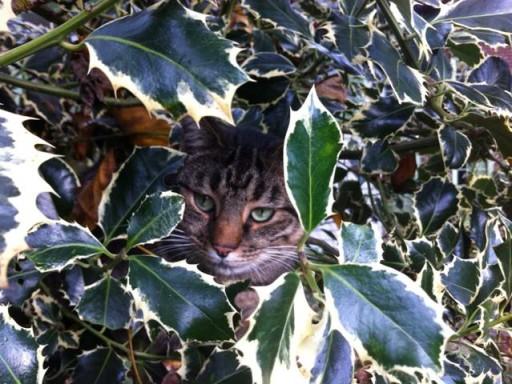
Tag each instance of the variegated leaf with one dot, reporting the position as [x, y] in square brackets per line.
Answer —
[20, 185]
[100, 366]
[186, 65]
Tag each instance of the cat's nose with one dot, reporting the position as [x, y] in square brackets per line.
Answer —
[223, 250]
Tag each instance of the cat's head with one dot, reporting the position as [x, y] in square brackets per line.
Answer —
[238, 222]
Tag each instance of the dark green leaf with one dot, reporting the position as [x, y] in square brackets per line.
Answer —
[492, 279]
[61, 177]
[100, 366]
[264, 91]
[269, 347]
[175, 296]
[427, 280]
[280, 13]
[479, 14]
[359, 243]
[453, 373]
[504, 253]
[479, 361]
[462, 280]
[106, 303]
[499, 127]
[141, 174]
[442, 66]
[469, 93]
[447, 240]
[378, 157]
[312, 146]
[23, 279]
[186, 65]
[267, 65]
[455, 147]
[406, 83]
[156, 217]
[352, 7]
[382, 118]
[492, 71]
[469, 53]
[421, 251]
[335, 360]
[223, 367]
[58, 245]
[390, 319]
[349, 34]
[498, 98]
[19, 355]
[435, 203]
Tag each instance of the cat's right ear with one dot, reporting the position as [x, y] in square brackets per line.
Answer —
[195, 139]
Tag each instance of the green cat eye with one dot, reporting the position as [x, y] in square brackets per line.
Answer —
[261, 215]
[204, 202]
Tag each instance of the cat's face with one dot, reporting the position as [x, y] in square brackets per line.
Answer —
[238, 222]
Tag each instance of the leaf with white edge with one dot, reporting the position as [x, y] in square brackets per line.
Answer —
[281, 322]
[57, 245]
[455, 147]
[21, 359]
[462, 279]
[280, 13]
[447, 240]
[492, 281]
[143, 173]
[6, 13]
[407, 83]
[442, 66]
[492, 71]
[453, 373]
[100, 366]
[334, 361]
[402, 326]
[23, 278]
[435, 203]
[348, 34]
[358, 243]
[174, 295]
[312, 146]
[379, 158]
[106, 303]
[382, 118]
[268, 65]
[223, 367]
[352, 7]
[20, 185]
[187, 65]
[500, 129]
[478, 361]
[493, 15]
[499, 99]
[430, 282]
[504, 254]
[421, 251]
[156, 217]
[469, 93]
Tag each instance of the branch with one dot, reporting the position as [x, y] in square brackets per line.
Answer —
[62, 92]
[395, 28]
[406, 146]
[55, 35]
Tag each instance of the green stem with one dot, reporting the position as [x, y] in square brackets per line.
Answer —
[55, 35]
[63, 92]
[395, 28]
[306, 269]
[473, 328]
[72, 47]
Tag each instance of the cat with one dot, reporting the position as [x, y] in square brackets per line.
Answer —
[238, 222]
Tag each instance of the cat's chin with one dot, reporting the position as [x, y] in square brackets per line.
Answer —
[225, 274]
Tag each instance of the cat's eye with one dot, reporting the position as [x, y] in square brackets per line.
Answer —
[205, 203]
[261, 215]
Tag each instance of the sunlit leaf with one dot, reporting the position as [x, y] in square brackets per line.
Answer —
[187, 65]
[402, 326]
[106, 303]
[20, 184]
[143, 173]
[312, 145]
[174, 296]
[58, 245]
[358, 243]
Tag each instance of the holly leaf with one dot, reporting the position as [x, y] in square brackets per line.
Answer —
[187, 65]
[378, 157]
[100, 366]
[455, 147]
[174, 296]
[312, 145]
[348, 33]
[21, 357]
[58, 245]
[156, 217]
[106, 303]
[224, 367]
[435, 203]
[141, 174]
[504, 254]
[268, 65]
[492, 71]
[358, 243]
[402, 326]
[20, 185]
[462, 280]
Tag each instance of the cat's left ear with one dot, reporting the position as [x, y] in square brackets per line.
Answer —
[213, 134]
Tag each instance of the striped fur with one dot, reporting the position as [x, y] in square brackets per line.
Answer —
[240, 171]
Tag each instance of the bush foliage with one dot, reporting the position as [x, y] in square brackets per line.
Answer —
[397, 149]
